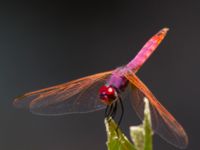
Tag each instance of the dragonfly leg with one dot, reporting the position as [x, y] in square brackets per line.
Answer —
[111, 110]
[114, 111]
[108, 110]
[122, 110]
[121, 115]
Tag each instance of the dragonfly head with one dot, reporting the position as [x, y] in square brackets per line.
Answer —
[108, 94]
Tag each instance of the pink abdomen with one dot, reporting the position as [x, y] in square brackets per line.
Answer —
[147, 50]
[117, 78]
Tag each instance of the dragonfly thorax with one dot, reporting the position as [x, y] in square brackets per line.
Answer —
[108, 94]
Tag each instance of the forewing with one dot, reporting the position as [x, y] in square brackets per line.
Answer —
[77, 96]
[163, 122]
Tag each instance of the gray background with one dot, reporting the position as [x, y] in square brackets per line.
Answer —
[43, 44]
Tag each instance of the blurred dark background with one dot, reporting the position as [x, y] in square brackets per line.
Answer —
[47, 43]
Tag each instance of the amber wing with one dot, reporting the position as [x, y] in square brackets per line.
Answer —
[163, 123]
[77, 96]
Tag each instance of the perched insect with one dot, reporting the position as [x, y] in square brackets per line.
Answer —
[98, 91]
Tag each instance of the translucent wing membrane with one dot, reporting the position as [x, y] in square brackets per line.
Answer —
[163, 122]
[77, 96]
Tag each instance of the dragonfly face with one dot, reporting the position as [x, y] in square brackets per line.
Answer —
[108, 94]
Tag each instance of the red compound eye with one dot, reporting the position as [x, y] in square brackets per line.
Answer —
[107, 94]
[110, 91]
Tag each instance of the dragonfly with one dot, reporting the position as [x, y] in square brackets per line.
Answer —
[103, 90]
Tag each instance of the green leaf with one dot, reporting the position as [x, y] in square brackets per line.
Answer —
[137, 136]
[142, 135]
[116, 139]
[147, 127]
